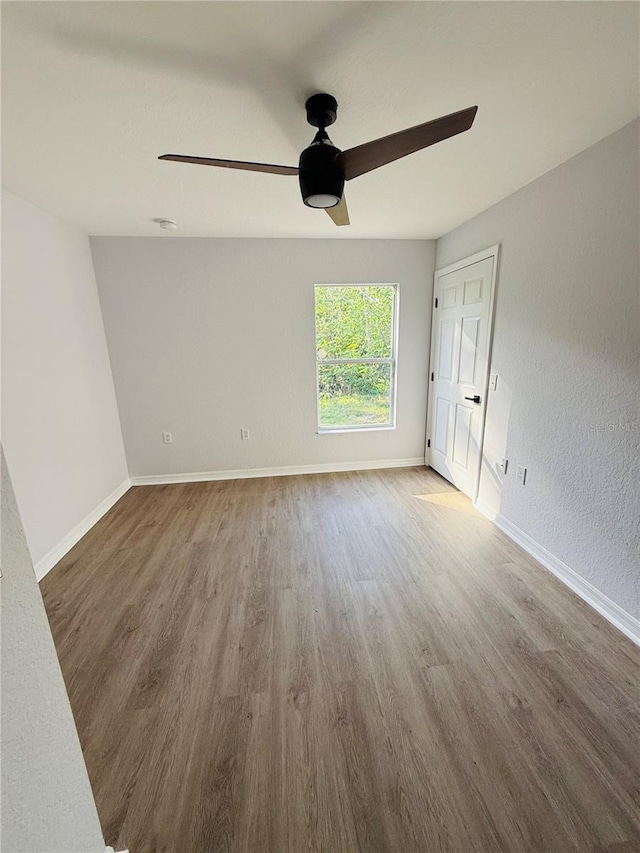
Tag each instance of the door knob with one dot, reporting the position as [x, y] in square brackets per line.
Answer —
[475, 398]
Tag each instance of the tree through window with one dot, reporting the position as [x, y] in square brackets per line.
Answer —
[356, 344]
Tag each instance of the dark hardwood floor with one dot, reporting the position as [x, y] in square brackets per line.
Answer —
[340, 663]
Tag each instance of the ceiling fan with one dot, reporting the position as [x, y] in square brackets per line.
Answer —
[323, 168]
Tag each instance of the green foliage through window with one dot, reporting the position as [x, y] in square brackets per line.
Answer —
[355, 322]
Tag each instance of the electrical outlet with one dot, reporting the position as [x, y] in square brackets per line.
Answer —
[493, 381]
[244, 434]
[503, 464]
[521, 475]
[167, 438]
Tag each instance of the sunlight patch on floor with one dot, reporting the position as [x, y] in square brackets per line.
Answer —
[451, 500]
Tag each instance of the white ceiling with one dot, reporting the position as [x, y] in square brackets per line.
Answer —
[93, 92]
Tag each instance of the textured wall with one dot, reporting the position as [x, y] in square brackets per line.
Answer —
[47, 804]
[567, 351]
[60, 425]
[209, 336]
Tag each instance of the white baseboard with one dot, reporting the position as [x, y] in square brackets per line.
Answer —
[46, 563]
[283, 471]
[611, 611]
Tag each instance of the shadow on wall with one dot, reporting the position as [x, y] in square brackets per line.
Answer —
[494, 450]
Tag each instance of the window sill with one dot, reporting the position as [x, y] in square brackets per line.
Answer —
[343, 430]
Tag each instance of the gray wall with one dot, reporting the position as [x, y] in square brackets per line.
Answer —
[47, 804]
[60, 425]
[210, 336]
[567, 351]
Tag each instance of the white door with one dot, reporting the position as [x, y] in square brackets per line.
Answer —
[461, 333]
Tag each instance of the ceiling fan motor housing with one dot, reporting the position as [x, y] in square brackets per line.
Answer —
[321, 180]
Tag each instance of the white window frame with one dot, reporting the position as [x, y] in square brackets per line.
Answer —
[393, 361]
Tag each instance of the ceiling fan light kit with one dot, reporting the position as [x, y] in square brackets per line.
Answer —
[323, 168]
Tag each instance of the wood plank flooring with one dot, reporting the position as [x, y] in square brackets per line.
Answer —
[340, 663]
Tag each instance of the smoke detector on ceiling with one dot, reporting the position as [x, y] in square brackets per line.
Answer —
[167, 224]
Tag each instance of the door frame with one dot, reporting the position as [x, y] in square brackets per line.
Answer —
[491, 252]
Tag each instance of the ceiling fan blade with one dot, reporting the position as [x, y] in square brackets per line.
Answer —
[233, 164]
[339, 213]
[364, 158]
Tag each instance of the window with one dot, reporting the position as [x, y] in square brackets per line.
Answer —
[356, 346]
